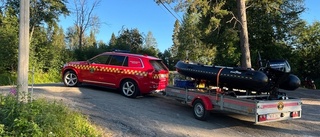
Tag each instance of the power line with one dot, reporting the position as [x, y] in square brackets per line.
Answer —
[175, 12]
[170, 11]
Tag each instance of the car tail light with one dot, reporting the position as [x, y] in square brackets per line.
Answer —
[262, 118]
[295, 114]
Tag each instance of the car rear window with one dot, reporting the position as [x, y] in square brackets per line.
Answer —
[158, 65]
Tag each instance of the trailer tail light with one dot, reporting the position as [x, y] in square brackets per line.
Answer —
[295, 114]
[262, 118]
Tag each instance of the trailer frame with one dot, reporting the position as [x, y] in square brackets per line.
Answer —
[263, 107]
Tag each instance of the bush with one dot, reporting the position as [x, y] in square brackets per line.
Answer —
[40, 118]
[7, 78]
[52, 76]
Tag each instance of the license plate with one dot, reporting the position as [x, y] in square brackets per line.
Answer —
[274, 116]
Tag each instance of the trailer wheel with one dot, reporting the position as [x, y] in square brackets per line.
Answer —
[199, 110]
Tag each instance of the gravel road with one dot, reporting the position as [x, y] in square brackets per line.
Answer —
[156, 115]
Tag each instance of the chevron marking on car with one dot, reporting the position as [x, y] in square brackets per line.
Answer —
[114, 70]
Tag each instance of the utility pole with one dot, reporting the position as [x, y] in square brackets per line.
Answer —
[23, 59]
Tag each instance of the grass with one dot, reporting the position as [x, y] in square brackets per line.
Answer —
[52, 76]
[39, 118]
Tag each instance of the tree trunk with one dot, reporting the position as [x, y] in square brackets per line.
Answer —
[244, 39]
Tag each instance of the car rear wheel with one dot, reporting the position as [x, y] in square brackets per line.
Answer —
[129, 88]
[70, 79]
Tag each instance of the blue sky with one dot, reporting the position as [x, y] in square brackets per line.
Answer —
[312, 12]
[146, 16]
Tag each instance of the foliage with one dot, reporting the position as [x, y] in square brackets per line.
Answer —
[307, 51]
[41, 11]
[7, 78]
[150, 45]
[88, 52]
[42, 118]
[134, 41]
[8, 41]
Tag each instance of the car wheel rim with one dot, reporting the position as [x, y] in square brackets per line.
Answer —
[71, 79]
[128, 89]
[198, 110]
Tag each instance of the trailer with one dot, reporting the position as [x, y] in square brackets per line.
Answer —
[264, 107]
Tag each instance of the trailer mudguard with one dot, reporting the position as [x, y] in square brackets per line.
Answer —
[206, 101]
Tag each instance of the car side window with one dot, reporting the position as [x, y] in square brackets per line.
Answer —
[117, 60]
[100, 59]
[135, 62]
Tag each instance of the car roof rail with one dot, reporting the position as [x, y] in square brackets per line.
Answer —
[122, 51]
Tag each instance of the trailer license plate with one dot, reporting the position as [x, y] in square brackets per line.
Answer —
[273, 116]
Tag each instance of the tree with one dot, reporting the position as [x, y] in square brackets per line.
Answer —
[174, 48]
[212, 17]
[130, 40]
[58, 52]
[9, 31]
[85, 18]
[42, 11]
[113, 40]
[244, 39]
[150, 45]
[72, 38]
[190, 44]
[307, 50]
[91, 40]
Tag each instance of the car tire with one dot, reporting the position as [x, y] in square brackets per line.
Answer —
[129, 88]
[199, 111]
[70, 79]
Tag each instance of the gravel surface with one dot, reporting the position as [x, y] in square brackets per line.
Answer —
[156, 115]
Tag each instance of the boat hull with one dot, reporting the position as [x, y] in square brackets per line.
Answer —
[230, 77]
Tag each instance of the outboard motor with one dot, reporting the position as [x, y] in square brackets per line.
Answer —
[279, 75]
[279, 65]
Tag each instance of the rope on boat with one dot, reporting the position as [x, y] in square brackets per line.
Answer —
[218, 90]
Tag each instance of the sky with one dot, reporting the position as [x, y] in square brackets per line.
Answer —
[146, 16]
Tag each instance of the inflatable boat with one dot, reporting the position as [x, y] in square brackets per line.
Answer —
[276, 74]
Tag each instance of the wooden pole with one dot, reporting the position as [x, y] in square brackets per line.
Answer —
[23, 59]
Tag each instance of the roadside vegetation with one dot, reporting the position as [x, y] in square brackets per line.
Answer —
[42, 118]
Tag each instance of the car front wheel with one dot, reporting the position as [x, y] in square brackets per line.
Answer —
[70, 79]
[129, 88]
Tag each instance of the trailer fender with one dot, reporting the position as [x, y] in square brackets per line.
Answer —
[206, 101]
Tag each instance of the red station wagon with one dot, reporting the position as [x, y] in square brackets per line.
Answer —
[132, 74]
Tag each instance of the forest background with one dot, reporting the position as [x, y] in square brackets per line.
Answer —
[208, 33]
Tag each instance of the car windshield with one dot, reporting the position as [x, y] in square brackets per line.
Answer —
[158, 65]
